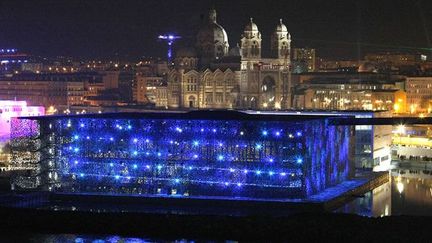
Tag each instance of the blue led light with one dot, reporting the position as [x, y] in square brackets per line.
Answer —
[258, 146]
[81, 174]
[200, 153]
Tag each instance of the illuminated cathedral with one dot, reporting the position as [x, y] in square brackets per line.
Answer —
[213, 75]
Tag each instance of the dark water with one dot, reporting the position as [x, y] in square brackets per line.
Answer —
[409, 192]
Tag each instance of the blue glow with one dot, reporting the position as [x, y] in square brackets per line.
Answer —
[299, 134]
[258, 146]
[207, 157]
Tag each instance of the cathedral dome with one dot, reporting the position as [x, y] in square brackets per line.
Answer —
[251, 26]
[281, 27]
[213, 30]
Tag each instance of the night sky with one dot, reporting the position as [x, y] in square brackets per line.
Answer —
[128, 29]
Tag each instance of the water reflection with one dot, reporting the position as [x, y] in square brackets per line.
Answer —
[409, 192]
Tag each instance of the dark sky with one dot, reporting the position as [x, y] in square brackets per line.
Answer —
[91, 28]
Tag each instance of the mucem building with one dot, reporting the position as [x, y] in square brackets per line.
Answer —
[214, 154]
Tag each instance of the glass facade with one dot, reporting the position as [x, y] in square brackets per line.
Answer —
[266, 158]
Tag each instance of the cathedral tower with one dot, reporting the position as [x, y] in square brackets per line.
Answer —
[251, 42]
[281, 42]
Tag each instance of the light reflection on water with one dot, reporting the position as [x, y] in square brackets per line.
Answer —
[409, 192]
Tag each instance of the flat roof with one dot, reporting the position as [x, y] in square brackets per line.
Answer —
[196, 115]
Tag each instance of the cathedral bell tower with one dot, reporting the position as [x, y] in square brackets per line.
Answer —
[251, 42]
[281, 42]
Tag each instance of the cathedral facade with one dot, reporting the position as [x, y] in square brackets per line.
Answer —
[213, 75]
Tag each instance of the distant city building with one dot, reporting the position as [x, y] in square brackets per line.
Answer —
[328, 91]
[303, 60]
[396, 59]
[419, 94]
[212, 75]
[49, 89]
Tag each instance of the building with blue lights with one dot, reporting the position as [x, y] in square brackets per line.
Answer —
[196, 154]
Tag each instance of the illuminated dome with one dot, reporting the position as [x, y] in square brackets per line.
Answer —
[212, 39]
[251, 26]
[281, 27]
